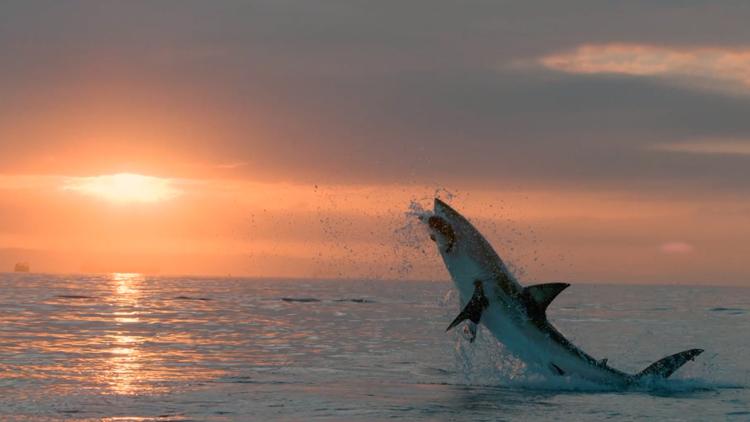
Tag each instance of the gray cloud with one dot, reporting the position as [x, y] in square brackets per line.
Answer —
[377, 92]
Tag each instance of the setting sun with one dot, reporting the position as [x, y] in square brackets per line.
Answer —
[124, 187]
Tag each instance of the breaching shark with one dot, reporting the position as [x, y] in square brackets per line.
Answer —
[516, 315]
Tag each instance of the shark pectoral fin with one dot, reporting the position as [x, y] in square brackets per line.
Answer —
[665, 367]
[473, 310]
[461, 317]
[543, 294]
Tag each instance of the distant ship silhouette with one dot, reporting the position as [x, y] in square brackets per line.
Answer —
[22, 267]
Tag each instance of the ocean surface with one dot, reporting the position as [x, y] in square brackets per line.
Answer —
[129, 347]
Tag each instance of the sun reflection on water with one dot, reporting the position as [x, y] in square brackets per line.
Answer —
[125, 363]
[127, 283]
[125, 360]
[90, 346]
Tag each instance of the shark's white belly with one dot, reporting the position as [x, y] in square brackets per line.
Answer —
[516, 332]
[537, 349]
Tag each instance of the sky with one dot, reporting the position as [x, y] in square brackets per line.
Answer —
[592, 141]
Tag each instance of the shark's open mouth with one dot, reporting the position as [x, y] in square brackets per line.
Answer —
[441, 226]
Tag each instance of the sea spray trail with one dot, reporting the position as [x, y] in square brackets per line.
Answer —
[360, 237]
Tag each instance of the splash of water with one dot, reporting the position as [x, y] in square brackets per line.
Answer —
[487, 362]
[410, 238]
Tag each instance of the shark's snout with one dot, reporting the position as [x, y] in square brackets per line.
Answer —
[441, 207]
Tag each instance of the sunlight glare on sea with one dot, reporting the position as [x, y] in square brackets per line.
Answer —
[134, 347]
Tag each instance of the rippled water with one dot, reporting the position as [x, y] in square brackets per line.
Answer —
[128, 347]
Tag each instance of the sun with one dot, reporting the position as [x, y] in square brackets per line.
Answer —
[124, 187]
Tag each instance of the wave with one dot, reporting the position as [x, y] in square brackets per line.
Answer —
[299, 299]
[74, 297]
[314, 300]
[731, 311]
[356, 300]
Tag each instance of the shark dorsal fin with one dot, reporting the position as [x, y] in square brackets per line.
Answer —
[543, 294]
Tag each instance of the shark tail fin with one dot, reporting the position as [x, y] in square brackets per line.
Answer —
[665, 367]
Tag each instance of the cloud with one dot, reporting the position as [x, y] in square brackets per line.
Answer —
[702, 66]
[715, 147]
[231, 165]
[676, 248]
[337, 97]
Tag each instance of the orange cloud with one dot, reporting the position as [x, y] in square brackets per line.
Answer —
[708, 146]
[730, 66]
[676, 248]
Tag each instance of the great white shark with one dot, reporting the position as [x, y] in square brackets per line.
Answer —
[516, 315]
